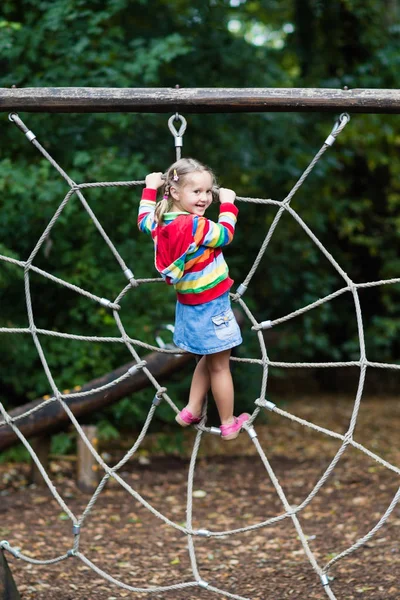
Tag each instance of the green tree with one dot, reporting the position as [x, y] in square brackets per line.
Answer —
[350, 201]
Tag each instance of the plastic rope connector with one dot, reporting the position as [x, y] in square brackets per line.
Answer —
[71, 553]
[157, 400]
[270, 405]
[266, 324]
[203, 533]
[128, 274]
[241, 290]
[215, 430]
[265, 403]
[105, 302]
[178, 141]
[251, 431]
[324, 579]
[330, 140]
[133, 370]
[76, 529]
[30, 135]
[203, 584]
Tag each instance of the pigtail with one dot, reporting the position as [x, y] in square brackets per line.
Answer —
[163, 205]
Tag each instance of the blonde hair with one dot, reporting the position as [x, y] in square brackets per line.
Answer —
[180, 169]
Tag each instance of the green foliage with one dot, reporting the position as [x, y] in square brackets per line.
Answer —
[350, 202]
[17, 454]
[107, 431]
[63, 443]
[170, 443]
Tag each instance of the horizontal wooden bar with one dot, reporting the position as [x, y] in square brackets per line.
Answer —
[198, 100]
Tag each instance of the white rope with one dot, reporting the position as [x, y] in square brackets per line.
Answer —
[262, 403]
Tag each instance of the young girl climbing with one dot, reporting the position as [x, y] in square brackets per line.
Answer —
[188, 255]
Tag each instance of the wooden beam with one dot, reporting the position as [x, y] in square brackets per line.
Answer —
[198, 100]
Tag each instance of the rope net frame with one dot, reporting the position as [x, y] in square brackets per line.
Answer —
[262, 403]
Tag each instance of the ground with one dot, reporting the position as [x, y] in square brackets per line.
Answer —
[231, 489]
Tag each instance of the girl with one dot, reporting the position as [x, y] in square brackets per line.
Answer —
[188, 255]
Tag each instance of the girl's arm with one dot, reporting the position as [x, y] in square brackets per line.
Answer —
[214, 235]
[148, 202]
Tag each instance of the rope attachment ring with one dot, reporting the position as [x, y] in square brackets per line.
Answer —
[340, 123]
[14, 118]
[178, 135]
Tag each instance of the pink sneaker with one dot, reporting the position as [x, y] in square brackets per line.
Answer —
[185, 418]
[231, 431]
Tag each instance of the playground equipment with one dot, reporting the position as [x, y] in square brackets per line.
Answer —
[53, 100]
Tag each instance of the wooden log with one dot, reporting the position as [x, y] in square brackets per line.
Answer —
[8, 589]
[53, 418]
[199, 100]
[41, 446]
[88, 475]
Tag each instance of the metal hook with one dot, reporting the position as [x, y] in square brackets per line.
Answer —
[178, 135]
[182, 129]
[338, 122]
[342, 120]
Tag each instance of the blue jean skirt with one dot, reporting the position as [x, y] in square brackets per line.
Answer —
[206, 328]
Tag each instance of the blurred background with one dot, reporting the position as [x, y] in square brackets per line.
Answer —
[351, 201]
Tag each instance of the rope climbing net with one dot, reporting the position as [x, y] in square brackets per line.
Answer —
[289, 511]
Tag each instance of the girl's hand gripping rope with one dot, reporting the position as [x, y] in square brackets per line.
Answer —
[154, 180]
[226, 195]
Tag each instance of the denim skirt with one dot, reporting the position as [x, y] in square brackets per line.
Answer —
[206, 328]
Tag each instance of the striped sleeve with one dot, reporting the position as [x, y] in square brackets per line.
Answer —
[146, 210]
[214, 235]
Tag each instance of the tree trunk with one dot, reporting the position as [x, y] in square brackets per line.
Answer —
[53, 418]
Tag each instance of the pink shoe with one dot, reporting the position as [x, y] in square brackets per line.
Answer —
[185, 418]
[231, 431]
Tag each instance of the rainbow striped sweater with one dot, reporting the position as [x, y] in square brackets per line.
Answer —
[188, 251]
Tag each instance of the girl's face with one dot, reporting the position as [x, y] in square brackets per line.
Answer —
[194, 196]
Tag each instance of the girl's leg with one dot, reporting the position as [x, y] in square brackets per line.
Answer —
[199, 387]
[221, 384]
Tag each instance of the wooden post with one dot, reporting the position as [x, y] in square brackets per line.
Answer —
[41, 446]
[87, 465]
[8, 589]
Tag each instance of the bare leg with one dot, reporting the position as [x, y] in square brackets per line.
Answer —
[221, 384]
[199, 387]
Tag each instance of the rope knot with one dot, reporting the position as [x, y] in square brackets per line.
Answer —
[348, 438]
